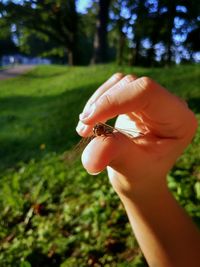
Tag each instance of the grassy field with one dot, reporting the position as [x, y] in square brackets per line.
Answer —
[53, 213]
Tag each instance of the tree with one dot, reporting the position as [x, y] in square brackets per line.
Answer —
[7, 45]
[138, 8]
[193, 40]
[184, 10]
[55, 20]
[100, 53]
[119, 24]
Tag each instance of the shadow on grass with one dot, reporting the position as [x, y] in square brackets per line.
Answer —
[34, 126]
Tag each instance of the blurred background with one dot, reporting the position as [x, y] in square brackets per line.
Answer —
[53, 56]
[147, 33]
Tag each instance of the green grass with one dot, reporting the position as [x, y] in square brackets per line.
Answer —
[53, 213]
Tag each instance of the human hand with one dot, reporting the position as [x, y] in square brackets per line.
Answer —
[166, 122]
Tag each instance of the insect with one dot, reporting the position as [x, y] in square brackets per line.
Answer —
[99, 129]
[103, 129]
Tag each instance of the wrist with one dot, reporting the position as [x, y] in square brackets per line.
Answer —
[145, 191]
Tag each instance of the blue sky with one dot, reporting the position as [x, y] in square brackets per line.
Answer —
[82, 5]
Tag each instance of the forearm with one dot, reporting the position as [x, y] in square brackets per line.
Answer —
[165, 233]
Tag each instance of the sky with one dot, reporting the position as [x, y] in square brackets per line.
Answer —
[82, 5]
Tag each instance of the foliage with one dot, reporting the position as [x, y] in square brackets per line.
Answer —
[54, 20]
[145, 32]
[52, 212]
[6, 43]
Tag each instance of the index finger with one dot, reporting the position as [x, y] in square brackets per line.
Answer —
[162, 112]
[115, 78]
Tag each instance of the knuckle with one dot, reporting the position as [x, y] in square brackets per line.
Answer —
[129, 78]
[117, 76]
[126, 80]
[106, 101]
[146, 82]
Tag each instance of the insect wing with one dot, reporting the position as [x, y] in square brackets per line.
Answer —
[72, 155]
[83, 143]
[128, 132]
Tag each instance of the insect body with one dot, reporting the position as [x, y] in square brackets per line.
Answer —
[102, 129]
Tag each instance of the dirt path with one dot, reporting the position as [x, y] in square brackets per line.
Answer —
[14, 71]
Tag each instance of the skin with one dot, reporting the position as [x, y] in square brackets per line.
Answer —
[137, 167]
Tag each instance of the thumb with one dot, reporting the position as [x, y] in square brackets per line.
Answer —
[99, 153]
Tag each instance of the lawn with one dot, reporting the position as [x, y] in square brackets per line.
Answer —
[53, 213]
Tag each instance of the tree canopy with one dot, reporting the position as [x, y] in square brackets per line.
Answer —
[131, 32]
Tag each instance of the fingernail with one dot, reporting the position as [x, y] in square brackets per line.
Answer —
[87, 113]
[80, 127]
[94, 173]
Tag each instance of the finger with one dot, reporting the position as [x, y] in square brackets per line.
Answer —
[103, 88]
[116, 81]
[104, 151]
[98, 154]
[84, 129]
[164, 113]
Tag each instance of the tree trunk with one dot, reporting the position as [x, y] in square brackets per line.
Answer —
[140, 11]
[72, 51]
[70, 57]
[121, 43]
[135, 60]
[72, 37]
[169, 43]
[151, 55]
[100, 53]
